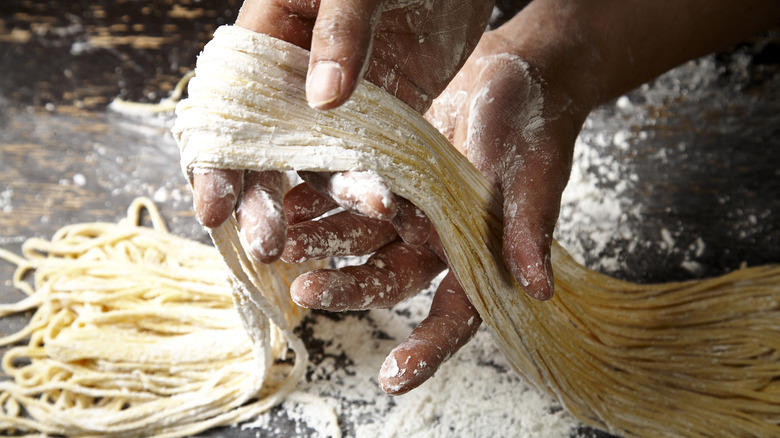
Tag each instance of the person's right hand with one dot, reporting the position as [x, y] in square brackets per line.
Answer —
[411, 49]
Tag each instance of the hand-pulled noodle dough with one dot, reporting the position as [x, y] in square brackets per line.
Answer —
[697, 358]
[135, 334]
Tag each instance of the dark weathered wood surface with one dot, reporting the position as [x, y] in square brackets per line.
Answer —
[706, 167]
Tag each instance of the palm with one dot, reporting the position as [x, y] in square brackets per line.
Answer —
[519, 131]
[418, 49]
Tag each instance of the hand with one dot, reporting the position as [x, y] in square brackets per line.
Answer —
[519, 102]
[393, 43]
[395, 271]
[518, 128]
[519, 131]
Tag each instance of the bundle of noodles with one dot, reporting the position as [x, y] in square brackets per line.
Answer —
[136, 334]
[698, 358]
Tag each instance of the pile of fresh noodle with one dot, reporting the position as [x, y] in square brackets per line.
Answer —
[135, 333]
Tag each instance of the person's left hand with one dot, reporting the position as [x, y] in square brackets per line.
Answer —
[395, 271]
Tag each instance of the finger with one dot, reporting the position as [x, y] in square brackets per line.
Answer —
[532, 200]
[411, 223]
[520, 143]
[526, 249]
[340, 46]
[451, 323]
[303, 203]
[261, 216]
[291, 21]
[393, 274]
[342, 234]
[434, 244]
[360, 192]
[215, 192]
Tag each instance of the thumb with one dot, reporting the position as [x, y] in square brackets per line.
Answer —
[528, 229]
[340, 48]
[532, 201]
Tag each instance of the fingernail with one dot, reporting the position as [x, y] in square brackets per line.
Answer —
[391, 374]
[518, 274]
[306, 291]
[324, 84]
[365, 193]
[533, 277]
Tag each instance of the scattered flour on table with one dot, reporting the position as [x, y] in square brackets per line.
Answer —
[80, 180]
[6, 204]
[594, 207]
[605, 203]
[474, 394]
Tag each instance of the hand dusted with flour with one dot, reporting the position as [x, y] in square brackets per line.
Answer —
[409, 48]
[519, 132]
[702, 356]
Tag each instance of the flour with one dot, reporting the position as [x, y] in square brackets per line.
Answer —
[6, 204]
[474, 394]
[79, 179]
[620, 208]
[594, 206]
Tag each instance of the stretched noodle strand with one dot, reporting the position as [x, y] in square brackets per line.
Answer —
[697, 358]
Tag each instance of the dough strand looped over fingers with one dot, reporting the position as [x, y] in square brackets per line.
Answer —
[698, 358]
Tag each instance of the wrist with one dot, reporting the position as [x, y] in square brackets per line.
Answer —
[600, 50]
[557, 44]
[568, 96]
